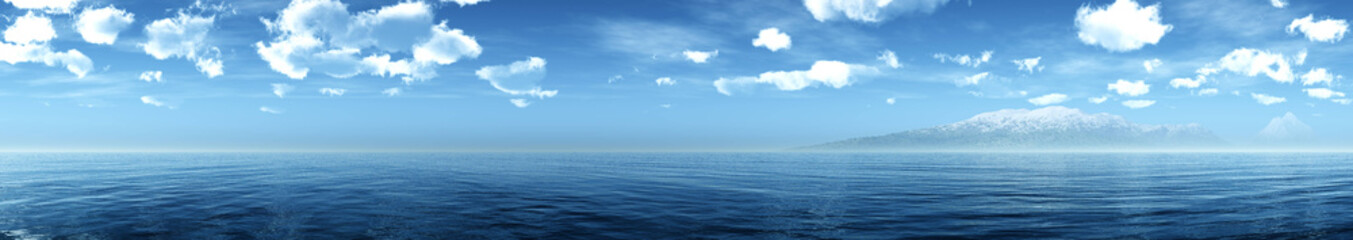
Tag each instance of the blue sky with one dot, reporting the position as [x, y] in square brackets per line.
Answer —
[643, 75]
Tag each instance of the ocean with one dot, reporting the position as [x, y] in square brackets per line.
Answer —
[675, 196]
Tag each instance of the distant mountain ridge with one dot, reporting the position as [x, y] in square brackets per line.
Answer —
[1046, 128]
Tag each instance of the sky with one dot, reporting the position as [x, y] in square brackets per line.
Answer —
[698, 75]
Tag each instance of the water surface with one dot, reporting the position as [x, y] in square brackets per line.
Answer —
[674, 196]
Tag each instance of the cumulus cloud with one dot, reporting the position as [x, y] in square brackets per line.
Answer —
[152, 76]
[965, 60]
[185, 36]
[520, 102]
[322, 36]
[1186, 82]
[391, 92]
[972, 80]
[1343, 101]
[271, 110]
[1129, 88]
[1122, 26]
[773, 39]
[1266, 99]
[889, 58]
[56, 6]
[1251, 62]
[1029, 64]
[615, 78]
[868, 11]
[281, 89]
[1151, 65]
[700, 57]
[1098, 100]
[31, 28]
[521, 78]
[1325, 30]
[332, 92]
[1138, 104]
[466, 2]
[890, 101]
[149, 100]
[1322, 93]
[1053, 98]
[73, 60]
[831, 73]
[1207, 92]
[102, 25]
[26, 40]
[666, 81]
[1317, 76]
[1278, 3]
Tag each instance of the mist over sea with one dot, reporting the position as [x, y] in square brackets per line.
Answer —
[675, 195]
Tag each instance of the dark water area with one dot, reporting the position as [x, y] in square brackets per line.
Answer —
[675, 196]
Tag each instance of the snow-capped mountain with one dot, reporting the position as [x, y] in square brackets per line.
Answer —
[1045, 128]
[1286, 129]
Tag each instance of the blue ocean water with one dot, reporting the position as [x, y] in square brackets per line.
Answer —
[675, 196]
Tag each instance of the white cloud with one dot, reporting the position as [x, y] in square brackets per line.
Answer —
[56, 6]
[1186, 83]
[1343, 101]
[391, 92]
[466, 2]
[1317, 76]
[972, 80]
[1326, 30]
[1098, 100]
[1129, 88]
[149, 100]
[26, 40]
[332, 92]
[615, 78]
[1028, 64]
[1278, 3]
[831, 73]
[74, 61]
[520, 102]
[267, 109]
[869, 11]
[700, 57]
[1322, 93]
[773, 39]
[185, 36]
[102, 25]
[1151, 65]
[519, 78]
[965, 60]
[322, 36]
[281, 89]
[1207, 92]
[666, 81]
[665, 105]
[1122, 26]
[1138, 104]
[31, 28]
[1266, 99]
[1053, 98]
[890, 101]
[889, 58]
[1251, 62]
[152, 76]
